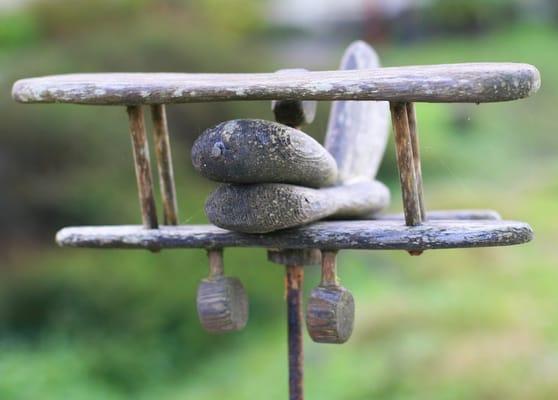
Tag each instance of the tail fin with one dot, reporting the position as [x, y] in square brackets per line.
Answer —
[358, 130]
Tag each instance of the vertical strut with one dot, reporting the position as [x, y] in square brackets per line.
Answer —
[413, 130]
[143, 168]
[405, 163]
[293, 283]
[164, 163]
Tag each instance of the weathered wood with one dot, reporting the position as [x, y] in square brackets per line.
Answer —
[258, 151]
[268, 207]
[221, 301]
[164, 164]
[405, 164]
[357, 131]
[293, 287]
[370, 235]
[465, 83]
[143, 167]
[293, 112]
[413, 132]
[446, 215]
[331, 308]
[216, 264]
[329, 268]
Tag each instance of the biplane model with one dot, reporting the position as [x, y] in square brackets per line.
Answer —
[281, 189]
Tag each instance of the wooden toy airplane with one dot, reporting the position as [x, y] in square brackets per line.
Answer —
[281, 188]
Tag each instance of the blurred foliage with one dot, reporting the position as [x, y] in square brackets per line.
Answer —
[472, 16]
[47, 178]
[87, 324]
[17, 31]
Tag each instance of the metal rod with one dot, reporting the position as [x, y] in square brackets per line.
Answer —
[404, 151]
[164, 164]
[143, 167]
[293, 283]
[413, 130]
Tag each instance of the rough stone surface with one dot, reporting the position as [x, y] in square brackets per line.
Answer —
[268, 207]
[258, 151]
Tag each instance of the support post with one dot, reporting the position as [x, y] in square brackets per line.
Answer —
[405, 163]
[293, 283]
[143, 167]
[164, 164]
[413, 130]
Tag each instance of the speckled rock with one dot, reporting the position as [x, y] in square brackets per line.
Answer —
[258, 151]
[267, 207]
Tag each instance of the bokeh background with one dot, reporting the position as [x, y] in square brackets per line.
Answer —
[456, 324]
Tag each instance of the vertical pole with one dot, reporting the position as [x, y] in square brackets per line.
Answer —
[294, 113]
[293, 283]
[405, 163]
[143, 168]
[413, 130]
[164, 164]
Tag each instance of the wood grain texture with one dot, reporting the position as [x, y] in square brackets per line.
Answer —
[330, 314]
[437, 215]
[357, 131]
[467, 83]
[164, 164]
[406, 164]
[221, 301]
[329, 268]
[413, 134]
[268, 207]
[331, 309]
[142, 166]
[222, 304]
[216, 263]
[370, 235]
[259, 151]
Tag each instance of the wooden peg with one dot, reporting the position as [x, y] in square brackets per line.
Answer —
[406, 164]
[143, 167]
[164, 163]
[222, 302]
[413, 132]
[331, 308]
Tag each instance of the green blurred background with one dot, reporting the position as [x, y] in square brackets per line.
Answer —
[456, 324]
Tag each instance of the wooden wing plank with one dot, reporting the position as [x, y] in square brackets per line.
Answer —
[362, 234]
[472, 83]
